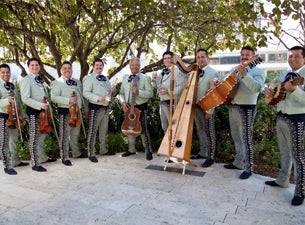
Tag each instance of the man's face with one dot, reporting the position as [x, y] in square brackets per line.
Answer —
[98, 67]
[34, 67]
[202, 59]
[167, 60]
[295, 59]
[246, 55]
[66, 71]
[134, 66]
[5, 74]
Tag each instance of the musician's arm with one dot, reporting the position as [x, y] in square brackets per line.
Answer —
[25, 90]
[298, 94]
[179, 81]
[87, 91]
[55, 95]
[4, 102]
[256, 82]
[148, 91]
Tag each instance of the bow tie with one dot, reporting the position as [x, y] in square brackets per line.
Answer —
[71, 82]
[9, 86]
[101, 78]
[165, 71]
[201, 73]
[39, 79]
[131, 77]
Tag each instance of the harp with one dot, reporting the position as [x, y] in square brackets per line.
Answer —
[177, 141]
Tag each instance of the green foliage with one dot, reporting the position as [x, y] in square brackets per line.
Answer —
[84, 29]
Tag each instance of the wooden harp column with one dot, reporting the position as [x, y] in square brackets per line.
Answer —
[177, 141]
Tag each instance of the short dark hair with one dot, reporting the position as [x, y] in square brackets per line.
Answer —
[4, 65]
[202, 50]
[298, 47]
[249, 48]
[168, 53]
[98, 60]
[33, 59]
[66, 62]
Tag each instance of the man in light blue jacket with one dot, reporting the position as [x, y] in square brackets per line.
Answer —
[140, 94]
[242, 112]
[205, 121]
[290, 126]
[97, 90]
[65, 91]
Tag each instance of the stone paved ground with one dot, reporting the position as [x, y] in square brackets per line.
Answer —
[120, 191]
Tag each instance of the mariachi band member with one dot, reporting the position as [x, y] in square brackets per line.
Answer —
[242, 112]
[290, 129]
[161, 81]
[97, 90]
[205, 121]
[141, 93]
[8, 136]
[33, 93]
[66, 93]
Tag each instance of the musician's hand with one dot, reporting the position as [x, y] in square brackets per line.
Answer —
[213, 83]
[242, 70]
[125, 106]
[268, 93]
[73, 99]
[154, 76]
[162, 91]
[45, 106]
[10, 99]
[135, 91]
[289, 86]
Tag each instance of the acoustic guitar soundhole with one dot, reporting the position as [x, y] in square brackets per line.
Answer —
[178, 143]
[187, 102]
[131, 116]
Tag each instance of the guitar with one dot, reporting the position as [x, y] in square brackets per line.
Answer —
[226, 89]
[131, 125]
[279, 89]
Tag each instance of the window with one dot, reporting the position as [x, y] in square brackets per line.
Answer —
[230, 60]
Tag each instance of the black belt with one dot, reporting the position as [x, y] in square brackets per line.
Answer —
[245, 106]
[293, 117]
[3, 116]
[97, 107]
[142, 107]
[32, 111]
[165, 102]
[63, 111]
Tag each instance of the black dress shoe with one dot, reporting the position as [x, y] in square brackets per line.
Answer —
[197, 157]
[126, 154]
[149, 156]
[67, 162]
[51, 160]
[208, 163]
[297, 200]
[245, 175]
[230, 166]
[272, 183]
[168, 161]
[39, 169]
[10, 171]
[23, 164]
[93, 159]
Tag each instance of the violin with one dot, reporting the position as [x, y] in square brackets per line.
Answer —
[45, 125]
[13, 120]
[74, 113]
